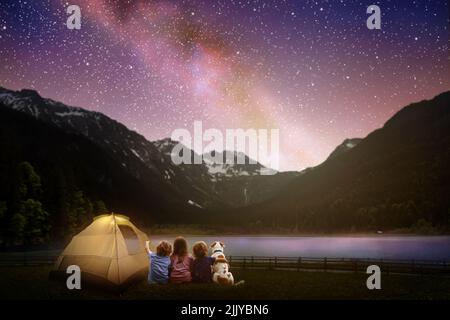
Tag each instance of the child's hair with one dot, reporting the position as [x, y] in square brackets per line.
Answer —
[164, 248]
[200, 249]
[180, 248]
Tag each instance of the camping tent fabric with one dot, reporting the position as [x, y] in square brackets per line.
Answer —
[111, 248]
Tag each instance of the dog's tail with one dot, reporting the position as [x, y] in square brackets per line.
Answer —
[239, 283]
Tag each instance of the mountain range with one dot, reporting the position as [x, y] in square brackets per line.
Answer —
[396, 176]
[138, 176]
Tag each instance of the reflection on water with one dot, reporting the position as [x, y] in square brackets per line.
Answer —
[381, 247]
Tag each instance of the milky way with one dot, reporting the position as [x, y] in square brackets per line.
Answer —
[309, 68]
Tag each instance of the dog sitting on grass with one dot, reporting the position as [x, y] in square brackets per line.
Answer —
[221, 272]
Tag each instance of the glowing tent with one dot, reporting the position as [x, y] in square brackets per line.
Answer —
[110, 251]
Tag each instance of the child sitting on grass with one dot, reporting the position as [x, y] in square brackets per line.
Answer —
[202, 265]
[181, 262]
[159, 262]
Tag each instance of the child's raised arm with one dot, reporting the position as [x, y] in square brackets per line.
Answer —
[147, 247]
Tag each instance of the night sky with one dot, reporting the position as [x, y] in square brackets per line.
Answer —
[309, 68]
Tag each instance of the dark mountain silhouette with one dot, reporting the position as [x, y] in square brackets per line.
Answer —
[398, 176]
[71, 162]
[138, 156]
[82, 157]
[192, 184]
[344, 147]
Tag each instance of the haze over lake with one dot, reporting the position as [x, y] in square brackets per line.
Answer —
[379, 247]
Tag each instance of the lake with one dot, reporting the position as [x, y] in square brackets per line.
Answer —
[379, 247]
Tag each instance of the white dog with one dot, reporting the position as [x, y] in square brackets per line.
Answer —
[221, 273]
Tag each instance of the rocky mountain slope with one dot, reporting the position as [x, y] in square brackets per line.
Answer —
[396, 177]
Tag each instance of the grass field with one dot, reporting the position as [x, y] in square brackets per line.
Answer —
[32, 283]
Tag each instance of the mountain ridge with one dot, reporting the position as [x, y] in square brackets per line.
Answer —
[387, 179]
[195, 184]
[396, 177]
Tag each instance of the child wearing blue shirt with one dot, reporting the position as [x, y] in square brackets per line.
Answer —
[159, 262]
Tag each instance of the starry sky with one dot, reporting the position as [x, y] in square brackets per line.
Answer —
[311, 69]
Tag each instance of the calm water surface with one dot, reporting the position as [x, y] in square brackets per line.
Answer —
[380, 247]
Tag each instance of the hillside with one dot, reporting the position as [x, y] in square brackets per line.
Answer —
[396, 177]
[199, 185]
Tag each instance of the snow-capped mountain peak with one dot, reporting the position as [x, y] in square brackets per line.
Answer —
[151, 161]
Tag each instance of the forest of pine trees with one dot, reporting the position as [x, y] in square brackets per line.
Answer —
[34, 212]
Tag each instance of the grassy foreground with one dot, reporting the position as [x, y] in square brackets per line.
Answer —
[32, 283]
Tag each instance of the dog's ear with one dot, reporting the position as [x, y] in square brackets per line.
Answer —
[221, 243]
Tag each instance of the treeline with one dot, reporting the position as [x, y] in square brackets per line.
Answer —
[342, 215]
[422, 213]
[34, 212]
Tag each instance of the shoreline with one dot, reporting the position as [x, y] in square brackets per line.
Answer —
[300, 235]
[225, 231]
[171, 235]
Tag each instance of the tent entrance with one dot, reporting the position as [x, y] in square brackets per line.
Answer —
[131, 239]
